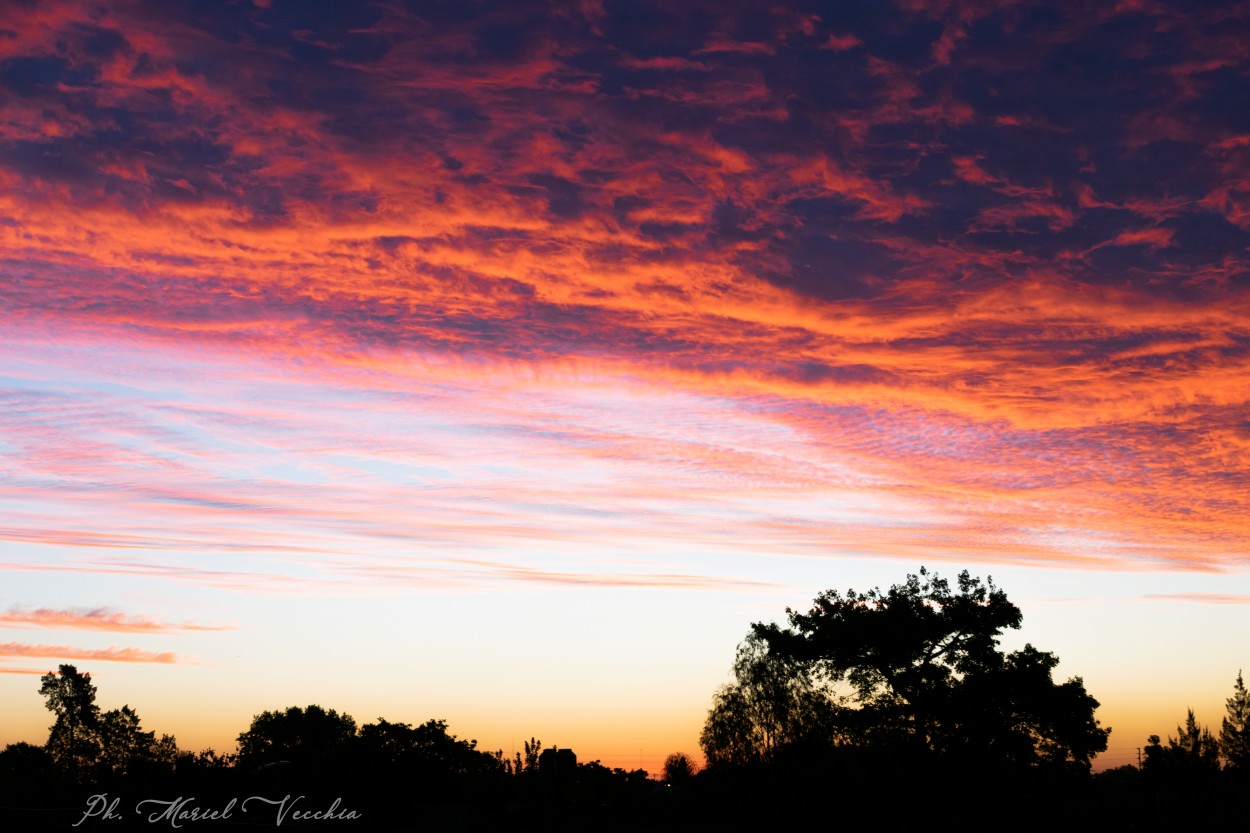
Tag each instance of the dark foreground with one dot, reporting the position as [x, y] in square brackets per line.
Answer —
[593, 799]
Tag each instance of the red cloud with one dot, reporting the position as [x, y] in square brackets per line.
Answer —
[1155, 238]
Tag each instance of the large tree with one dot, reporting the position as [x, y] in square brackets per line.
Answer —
[311, 736]
[74, 741]
[427, 760]
[923, 664]
[125, 746]
[773, 703]
[83, 739]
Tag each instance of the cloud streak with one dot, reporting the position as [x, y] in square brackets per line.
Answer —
[110, 654]
[1202, 598]
[95, 619]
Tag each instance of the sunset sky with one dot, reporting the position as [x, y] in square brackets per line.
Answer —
[501, 362]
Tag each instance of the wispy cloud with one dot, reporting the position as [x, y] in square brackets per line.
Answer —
[95, 619]
[1201, 598]
[110, 654]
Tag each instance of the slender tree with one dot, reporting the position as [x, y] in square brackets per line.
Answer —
[528, 764]
[1193, 752]
[1235, 732]
[1195, 743]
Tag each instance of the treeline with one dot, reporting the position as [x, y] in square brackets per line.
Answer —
[888, 708]
[309, 766]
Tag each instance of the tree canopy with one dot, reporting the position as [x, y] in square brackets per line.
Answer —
[772, 703]
[84, 739]
[924, 667]
[679, 769]
[1194, 751]
[74, 738]
[300, 736]
[428, 749]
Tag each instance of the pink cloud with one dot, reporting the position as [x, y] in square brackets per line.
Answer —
[1201, 598]
[110, 654]
[100, 619]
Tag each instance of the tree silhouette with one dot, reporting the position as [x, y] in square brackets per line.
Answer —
[1193, 752]
[28, 774]
[426, 761]
[304, 737]
[1235, 731]
[527, 764]
[166, 753]
[74, 740]
[85, 740]
[1195, 745]
[679, 768]
[428, 748]
[924, 664]
[124, 746]
[773, 702]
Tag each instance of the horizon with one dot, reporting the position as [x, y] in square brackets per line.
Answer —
[503, 364]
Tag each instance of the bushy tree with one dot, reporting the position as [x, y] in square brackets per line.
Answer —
[1235, 731]
[427, 761]
[428, 749]
[772, 703]
[124, 745]
[679, 768]
[923, 661]
[165, 752]
[28, 774]
[304, 737]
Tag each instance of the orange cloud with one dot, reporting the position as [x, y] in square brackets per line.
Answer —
[110, 654]
[766, 223]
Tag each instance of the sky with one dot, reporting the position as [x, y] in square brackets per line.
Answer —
[501, 362]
